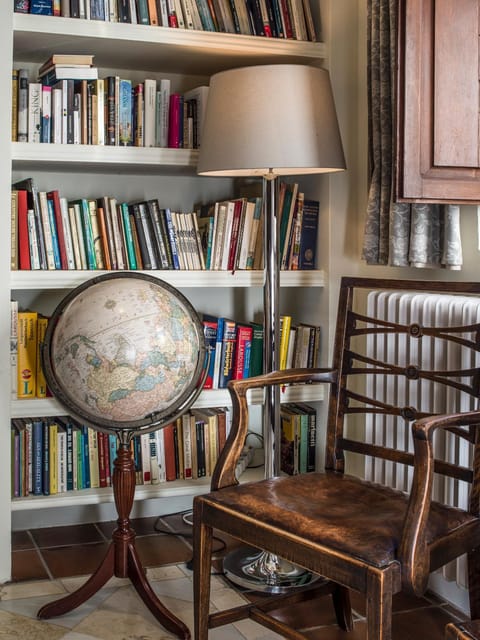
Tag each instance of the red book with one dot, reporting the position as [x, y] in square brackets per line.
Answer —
[244, 339]
[55, 198]
[169, 444]
[175, 126]
[237, 217]
[102, 458]
[23, 242]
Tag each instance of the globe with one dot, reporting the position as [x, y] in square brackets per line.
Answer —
[124, 350]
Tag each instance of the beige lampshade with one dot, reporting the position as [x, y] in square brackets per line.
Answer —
[276, 119]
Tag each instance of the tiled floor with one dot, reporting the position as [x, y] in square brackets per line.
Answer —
[50, 562]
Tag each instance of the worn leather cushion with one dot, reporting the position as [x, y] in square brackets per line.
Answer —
[339, 511]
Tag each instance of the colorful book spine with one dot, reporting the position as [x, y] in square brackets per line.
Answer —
[46, 114]
[34, 111]
[125, 113]
[41, 383]
[27, 354]
[243, 347]
[227, 353]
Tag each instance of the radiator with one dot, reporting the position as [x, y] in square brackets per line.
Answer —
[424, 309]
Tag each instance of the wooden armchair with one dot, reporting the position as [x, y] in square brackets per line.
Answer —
[391, 523]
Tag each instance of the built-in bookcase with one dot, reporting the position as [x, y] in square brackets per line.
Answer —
[188, 58]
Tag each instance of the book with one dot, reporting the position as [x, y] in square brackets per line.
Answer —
[309, 235]
[52, 455]
[125, 113]
[67, 93]
[138, 107]
[29, 185]
[22, 118]
[40, 382]
[210, 326]
[14, 230]
[21, 235]
[175, 121]
[169, 444]
[41, 7]
[37, 456]
[289, 447]
[60, 72]
[34, 111]
[53, 197]
[27, 354]
[242, 351]
[13, 348]
[227, 355]
[97, 239]
[21, 6]
[256, 353]
[285, 324]
[311, 412]
[158, 228]
[46, 114]
[149, 118]
[162, 112]
[84, 218]
[49, 232]
[66, 59]
[128, 236]
[200, 96]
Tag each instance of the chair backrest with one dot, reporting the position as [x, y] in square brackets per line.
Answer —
[405, 350]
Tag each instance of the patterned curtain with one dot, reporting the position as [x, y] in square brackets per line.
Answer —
[397, 234]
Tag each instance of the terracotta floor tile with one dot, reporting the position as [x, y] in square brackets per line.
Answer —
[65, 536]
[27, 565]
[157, 550]
[74, 560]
[22, 540]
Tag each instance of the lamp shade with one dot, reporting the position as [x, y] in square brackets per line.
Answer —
[277, 119]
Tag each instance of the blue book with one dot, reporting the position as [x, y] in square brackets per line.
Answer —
[70, 462]
[218, 352]
[172, 238]
[97, 10]
[85, 458]
[41, 7]
[229, 341]
[210, 326]
[37, 457]
[113, 446]
[125, 113]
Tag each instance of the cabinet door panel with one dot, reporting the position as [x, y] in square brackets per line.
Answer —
[438, 134]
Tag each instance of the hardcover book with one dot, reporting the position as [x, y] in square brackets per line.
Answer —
[27, 354]
[41, 7]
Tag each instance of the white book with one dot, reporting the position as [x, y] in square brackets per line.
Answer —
[22, 121]
[149, 119]
[47, 230]
[163, 106]
[57, 121]
[13, 346]
[227, 235]
[179, 14]
[81, 243]
[117, 234]
[33, 240]
[75, 237]
[133, 12]
[162, 475]
[100, 111]
[34, 111]
[246, 234]
[145, 451]
[67, 232]
[154, 470]
[163, 17]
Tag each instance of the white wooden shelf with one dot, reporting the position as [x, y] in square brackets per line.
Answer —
[129, 46]
[110, 159]
[84, 497]
[210, 398]
[30, 280]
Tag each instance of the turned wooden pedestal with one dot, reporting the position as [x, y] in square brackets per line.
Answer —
[463, 630]
[121, 559]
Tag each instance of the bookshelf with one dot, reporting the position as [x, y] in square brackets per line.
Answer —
[135, 51]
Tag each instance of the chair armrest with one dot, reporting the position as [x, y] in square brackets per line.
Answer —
[413, 553]
[224, 472]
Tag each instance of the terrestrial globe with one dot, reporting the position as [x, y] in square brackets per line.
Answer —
[125, 354]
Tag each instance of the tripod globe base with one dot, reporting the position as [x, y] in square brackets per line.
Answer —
[266, 572]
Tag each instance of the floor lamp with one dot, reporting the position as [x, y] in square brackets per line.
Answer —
[270, 121]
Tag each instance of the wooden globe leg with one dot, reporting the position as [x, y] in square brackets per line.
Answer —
[121, 559]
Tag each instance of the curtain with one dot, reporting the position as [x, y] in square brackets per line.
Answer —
[397, 234]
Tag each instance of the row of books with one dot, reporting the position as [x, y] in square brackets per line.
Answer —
[50, 232]
[270, 18]
[298, 437]
[236, 348]
[54, 455]
[104, 111]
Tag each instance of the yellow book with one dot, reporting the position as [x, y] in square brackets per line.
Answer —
[53, 456]
[41, 383]
[93, 458]
[285, 324]
[27, 354]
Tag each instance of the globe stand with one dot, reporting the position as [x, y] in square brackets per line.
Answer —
[121, 559]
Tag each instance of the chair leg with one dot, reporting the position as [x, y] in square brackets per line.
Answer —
[342, 606]
[202, 566]
[379, 606]
[474, 583]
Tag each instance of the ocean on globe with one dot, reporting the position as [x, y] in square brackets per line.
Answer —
[125, 348]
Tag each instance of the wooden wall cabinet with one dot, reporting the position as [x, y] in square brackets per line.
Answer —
[438, 101]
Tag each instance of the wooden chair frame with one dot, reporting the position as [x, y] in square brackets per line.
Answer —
[418, 536]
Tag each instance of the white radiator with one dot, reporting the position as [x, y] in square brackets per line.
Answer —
[426, 396]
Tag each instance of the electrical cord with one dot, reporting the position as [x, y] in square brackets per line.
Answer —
[187, 534]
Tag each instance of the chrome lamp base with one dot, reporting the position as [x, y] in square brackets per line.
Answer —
[266, 572]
